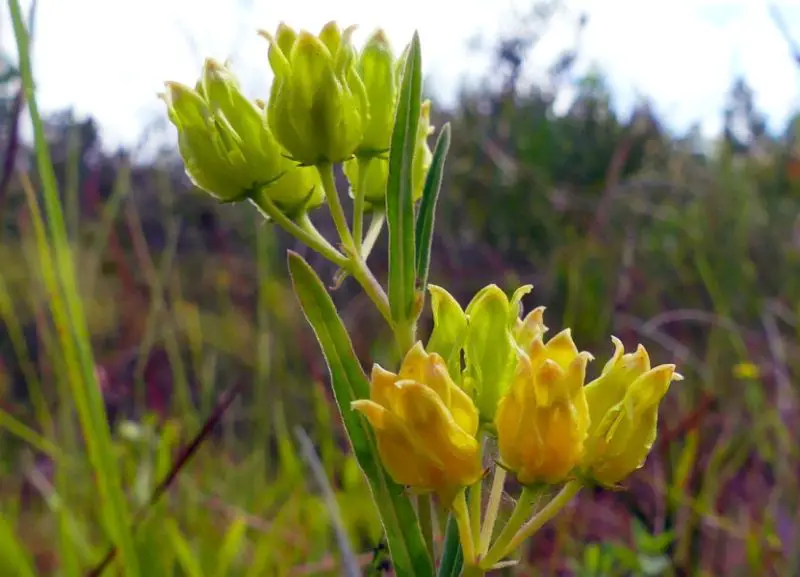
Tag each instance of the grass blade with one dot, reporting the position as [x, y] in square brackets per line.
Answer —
[186, 557]
[399, 202]
[231, 546]
[404, 536]
[71, 323]
[427, 208]
[350, 567]
[14, 559]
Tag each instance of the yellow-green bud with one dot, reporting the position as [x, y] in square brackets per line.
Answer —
[490, 347]
[227, 148]
[376, 68]
[318, 107]
[378, 166]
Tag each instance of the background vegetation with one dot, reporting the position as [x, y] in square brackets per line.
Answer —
[692, 248]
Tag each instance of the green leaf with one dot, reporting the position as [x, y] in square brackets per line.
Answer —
[187, 559]
[449, 329]
[404, 536]
[231, 546]
[399, 201]
[14, 558]
[452, 555]
[427, 207]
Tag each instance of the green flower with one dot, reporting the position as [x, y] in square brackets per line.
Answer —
[227, 148]
[318, 107]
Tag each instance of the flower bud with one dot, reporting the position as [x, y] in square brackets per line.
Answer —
[378, 167]
[623, 405]
[376, 68]
[318, 107]
[382, 75]
[490, 347]
[425, 425]
[543, 419]
[227, 148]
[449, 329]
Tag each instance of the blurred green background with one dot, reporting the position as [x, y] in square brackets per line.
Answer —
[624, 227]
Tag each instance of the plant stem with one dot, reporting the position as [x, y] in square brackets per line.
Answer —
[303, 230]
[425, 513]
[405, 335]
[337, 212]
[475, 494]
[492, 508]
[521, 512]
[358, 268]
[358, 203]
[373, 232]
[472, 571]
[548, 512]
[464, 530]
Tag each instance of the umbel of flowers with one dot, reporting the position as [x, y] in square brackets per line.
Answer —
[487, 371]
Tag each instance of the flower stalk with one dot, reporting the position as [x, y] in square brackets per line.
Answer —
[492, 509]
[326, 174]
[549, 511]
[522, 511]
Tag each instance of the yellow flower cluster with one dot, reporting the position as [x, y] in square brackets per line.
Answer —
[549, 424]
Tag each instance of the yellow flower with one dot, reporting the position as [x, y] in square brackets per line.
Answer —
[425, 425]
[746, 371]
[542, 420]
[623, 406]
[532, 327]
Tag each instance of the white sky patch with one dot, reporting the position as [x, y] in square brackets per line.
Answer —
[109, 58]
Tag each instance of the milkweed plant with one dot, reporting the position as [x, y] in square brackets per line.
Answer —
[488, 385]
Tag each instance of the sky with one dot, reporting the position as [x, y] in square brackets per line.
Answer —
[109, 58]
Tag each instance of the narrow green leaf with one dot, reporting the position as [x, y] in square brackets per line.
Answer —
[231, 546]
[187, 559]
[14, 559]
[427, 207]
[350, 567]
[399, 201]
[404, 536]
[61, 281]
[452, 555]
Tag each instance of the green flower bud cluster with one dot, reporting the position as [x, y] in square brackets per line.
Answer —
[329, 104]
[227, 147]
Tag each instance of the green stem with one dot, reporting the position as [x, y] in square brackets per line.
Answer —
[303, 231]
[492, 509]
[358, 268]
[373, 233]
[472, 571]
[521, 512]
[475, 494]
[359, 201]
[337, 212]
[425, 513]
[512, 537]
[464, 530]
[405, 335]
[548, 512]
